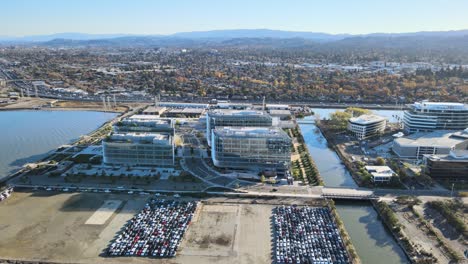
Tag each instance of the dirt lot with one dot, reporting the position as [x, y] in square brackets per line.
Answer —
[228, 233]
[52, 227]
[46, 226]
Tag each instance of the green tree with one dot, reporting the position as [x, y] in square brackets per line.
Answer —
[339, 120]
[380, 161]
[356, 111]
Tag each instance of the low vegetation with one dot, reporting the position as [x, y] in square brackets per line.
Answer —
[448, 209]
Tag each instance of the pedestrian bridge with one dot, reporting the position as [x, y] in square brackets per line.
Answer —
[305, 121]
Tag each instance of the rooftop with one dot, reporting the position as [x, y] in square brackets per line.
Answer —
[154, 109]
[230, 112]
[380, 171]
[441, 138]
[455, 155]
[140, 138]
[269, 132]
[426, 105]
[147, 120]
[366, 119]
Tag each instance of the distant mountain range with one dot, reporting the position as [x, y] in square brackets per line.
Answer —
[450, 46]
[220, 35]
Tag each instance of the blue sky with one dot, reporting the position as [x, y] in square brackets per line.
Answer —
[32, 17]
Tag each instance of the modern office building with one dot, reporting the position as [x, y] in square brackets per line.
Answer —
[366, 126]
[416, 145]
[251, 148]
[236, 118]
[145, 123]
[430, 116]
[452, 166]
[380, 173]
[139, 149]
[154, 110]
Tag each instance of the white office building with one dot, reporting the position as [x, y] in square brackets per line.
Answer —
[139, 149]
[145, 123]
[428, 116]
[416, 145]
[251, 148]
[366, 126]
[380, 174]
[236, 118]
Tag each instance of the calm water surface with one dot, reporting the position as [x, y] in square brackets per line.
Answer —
[27, 136]
[373, 242]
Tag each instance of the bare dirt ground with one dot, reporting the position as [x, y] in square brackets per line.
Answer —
[51, 227]
[452, 236]
[418, 233]
[228, 233]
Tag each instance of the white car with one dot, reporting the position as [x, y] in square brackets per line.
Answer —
[176, 196]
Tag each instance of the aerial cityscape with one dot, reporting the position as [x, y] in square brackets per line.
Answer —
[239, 132]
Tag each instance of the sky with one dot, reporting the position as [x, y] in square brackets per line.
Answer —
[40, 17]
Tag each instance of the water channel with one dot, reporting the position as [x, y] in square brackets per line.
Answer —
[373, 242]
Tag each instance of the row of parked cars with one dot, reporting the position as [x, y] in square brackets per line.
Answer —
[6, 193]
[307, 235]
[156, 231]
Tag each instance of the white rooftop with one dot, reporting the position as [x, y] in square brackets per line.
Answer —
[237, 112]
[380, 171]
[439, 106]
[439, 138]
[366, 119]
[251, 131]
[135, 137]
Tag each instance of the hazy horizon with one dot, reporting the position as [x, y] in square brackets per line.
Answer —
[143, 17]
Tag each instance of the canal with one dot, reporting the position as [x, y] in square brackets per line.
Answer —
[373, 242]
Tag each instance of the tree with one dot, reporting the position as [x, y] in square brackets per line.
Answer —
[339, 120]
[356, 111]
[380, 161]
[262, 178]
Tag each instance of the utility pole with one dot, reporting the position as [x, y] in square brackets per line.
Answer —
[451, 193]
[263, 104]
[115, 102]
[104, 102]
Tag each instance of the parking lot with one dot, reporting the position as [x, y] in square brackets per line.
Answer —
[70, 227]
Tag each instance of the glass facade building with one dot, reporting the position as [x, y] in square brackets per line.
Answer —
[139, 149]
[429, 116]
[236, 118]
[452, 167]
[145, 123]
[251, 148]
